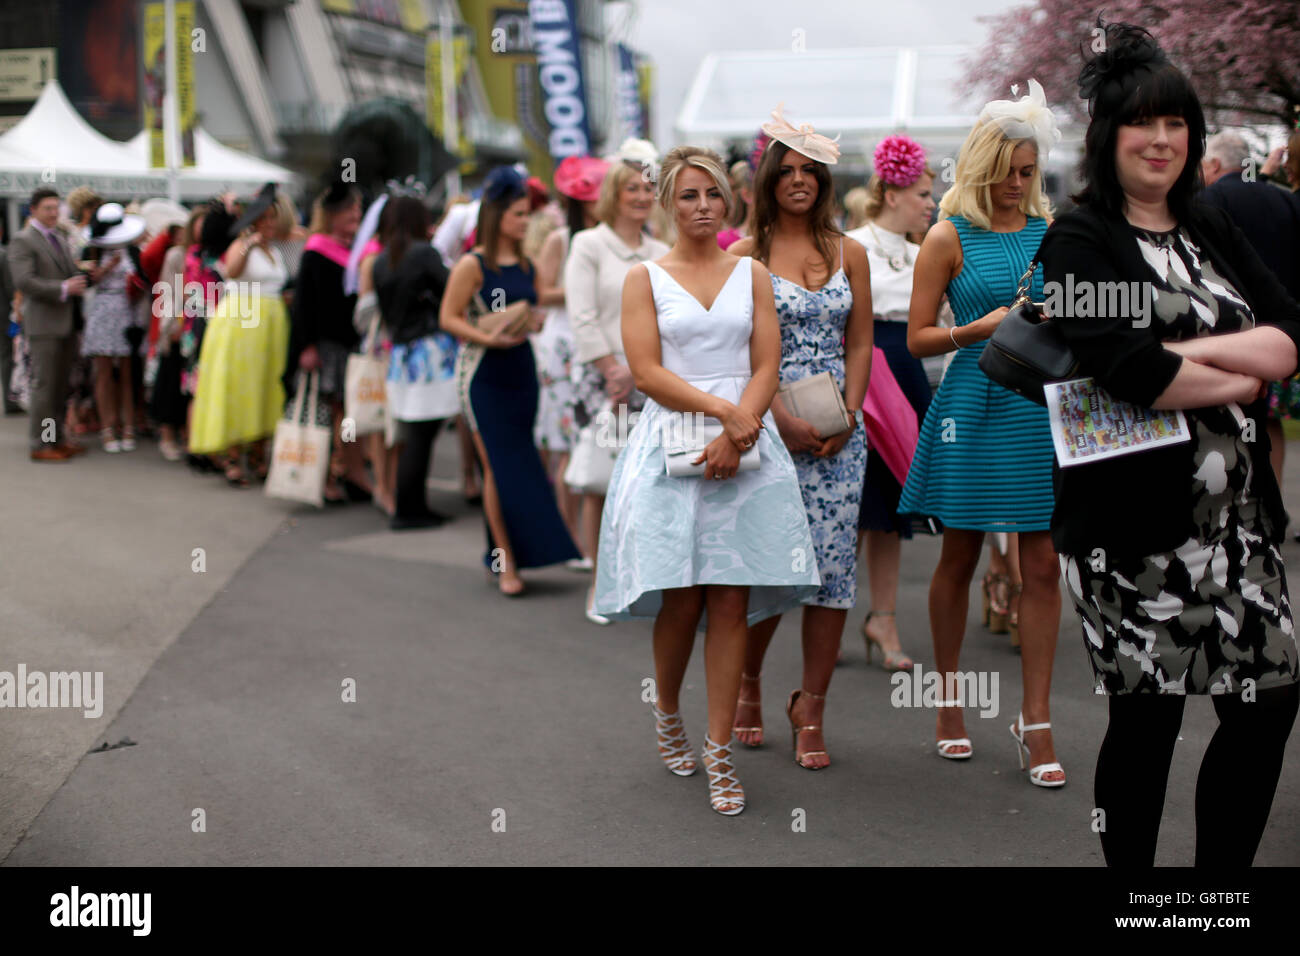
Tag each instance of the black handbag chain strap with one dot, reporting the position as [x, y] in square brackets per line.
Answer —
[1025, 284]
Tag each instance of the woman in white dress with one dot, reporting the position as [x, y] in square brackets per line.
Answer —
[598, 262]
[733, 540]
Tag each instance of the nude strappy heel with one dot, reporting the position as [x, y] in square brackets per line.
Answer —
[1036, 773]
[724, 787]
[752, 703]
[796, 730]
[674, 748]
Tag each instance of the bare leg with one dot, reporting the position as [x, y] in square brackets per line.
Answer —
[822, 629]
[749, 711]
[379, 462]
[592, 506]
[949, 599]
[1039, 624]
[674, 639]
[353, 457]
[470, 485]
[509, 582]
[724, 655]
[126, 395]
[884, 554]
[570, 503]
[105, 392]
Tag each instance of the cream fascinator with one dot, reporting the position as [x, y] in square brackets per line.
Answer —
[638, 151]
[1025, 118]
[804, 139]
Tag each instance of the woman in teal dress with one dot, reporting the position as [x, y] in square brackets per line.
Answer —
[983, 461]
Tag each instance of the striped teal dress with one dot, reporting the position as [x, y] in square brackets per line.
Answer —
[984, 457]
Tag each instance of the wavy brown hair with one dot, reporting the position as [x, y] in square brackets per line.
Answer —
[821, 216]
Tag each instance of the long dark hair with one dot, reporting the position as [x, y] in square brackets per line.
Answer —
[821, 216]
[490, 214]
[575, 215]
[1133, 80]
[405, 219]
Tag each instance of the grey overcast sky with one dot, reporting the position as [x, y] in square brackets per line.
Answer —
[678, 33]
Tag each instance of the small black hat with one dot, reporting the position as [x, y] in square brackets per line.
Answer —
[253, 211]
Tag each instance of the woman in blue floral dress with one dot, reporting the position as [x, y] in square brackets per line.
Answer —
[822, 287]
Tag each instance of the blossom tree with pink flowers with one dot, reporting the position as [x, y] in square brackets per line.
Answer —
[1243, 56]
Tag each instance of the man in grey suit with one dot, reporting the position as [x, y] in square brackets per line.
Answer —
[44, 272]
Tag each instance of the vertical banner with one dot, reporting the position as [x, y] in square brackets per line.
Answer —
[627, 90]
[507, 64]
[559, 74]
[433, 103]
[185, 100]
[155, 79]
[646, 75]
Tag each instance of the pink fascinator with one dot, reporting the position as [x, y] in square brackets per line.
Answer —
[899, 160]
[803, 139]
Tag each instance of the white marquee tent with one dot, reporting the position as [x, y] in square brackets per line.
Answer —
[52, 145]
[859, 94]
[217, 168]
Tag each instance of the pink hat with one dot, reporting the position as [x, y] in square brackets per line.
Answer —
[579, 177]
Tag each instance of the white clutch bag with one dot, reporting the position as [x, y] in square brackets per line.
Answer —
[682, 448]
[818, 401]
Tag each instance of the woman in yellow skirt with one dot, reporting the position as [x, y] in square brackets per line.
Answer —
[240, 396]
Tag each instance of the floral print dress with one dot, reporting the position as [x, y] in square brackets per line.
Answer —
[812, 342]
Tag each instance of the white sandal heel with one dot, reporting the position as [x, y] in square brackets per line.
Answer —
[1036, 773]
[724, 786]
[948, 748]
[675, 749]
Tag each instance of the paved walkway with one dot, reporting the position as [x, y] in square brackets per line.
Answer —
[470, 710]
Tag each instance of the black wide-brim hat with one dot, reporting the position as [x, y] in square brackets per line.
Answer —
[264, 200]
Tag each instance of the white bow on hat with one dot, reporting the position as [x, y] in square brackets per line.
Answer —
[1026, 118]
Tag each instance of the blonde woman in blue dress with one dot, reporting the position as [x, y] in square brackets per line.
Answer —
[728, 541]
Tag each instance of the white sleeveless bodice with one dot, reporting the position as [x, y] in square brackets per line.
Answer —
[698, 343]
[267, 271]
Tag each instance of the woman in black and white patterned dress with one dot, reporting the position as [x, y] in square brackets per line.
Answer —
[1171, 554]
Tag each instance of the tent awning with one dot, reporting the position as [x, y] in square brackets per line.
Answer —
[53, 146]
[217, 168]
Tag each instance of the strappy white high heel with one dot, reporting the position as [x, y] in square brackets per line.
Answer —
[674, 748]
[1036, 773]
[724, 787]
[948, 748]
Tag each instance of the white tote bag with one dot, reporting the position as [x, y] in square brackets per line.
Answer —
[300, 454]
[363, 394]
[591, 462]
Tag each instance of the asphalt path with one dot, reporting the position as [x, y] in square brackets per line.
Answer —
[328, 692]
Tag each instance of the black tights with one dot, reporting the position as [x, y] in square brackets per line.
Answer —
[1235, 787]
[413, 467]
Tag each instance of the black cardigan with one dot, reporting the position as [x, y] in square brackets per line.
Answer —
[1141, 504]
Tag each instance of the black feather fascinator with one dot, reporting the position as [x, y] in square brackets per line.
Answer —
[1129, 54]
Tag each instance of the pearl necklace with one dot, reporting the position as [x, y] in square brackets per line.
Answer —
[896, 262]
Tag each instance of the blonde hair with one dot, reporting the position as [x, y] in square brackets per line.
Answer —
[540, 225]
[611, 187]
[985, 159]
[855, 206]
[704, 159]
[286, 214]
[874, 195]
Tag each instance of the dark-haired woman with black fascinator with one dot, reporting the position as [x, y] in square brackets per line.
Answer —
[1171, 554]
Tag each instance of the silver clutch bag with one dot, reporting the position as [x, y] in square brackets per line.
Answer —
[817, 400]
[681, 449]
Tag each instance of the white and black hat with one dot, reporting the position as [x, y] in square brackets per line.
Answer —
[113, 227]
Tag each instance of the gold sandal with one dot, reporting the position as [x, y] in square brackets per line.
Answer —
[737, 731]
[797, 730]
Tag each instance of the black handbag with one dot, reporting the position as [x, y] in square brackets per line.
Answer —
[1027, 350]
